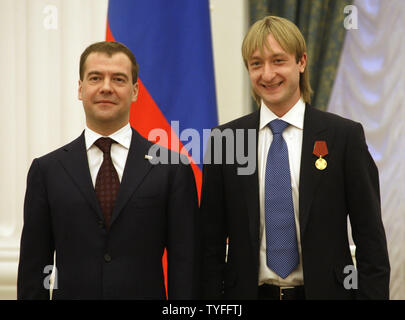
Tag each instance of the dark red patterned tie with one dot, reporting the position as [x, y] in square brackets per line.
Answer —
[107, 182]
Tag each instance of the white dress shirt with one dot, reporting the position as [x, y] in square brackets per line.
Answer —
[293, 137]
[119, 150]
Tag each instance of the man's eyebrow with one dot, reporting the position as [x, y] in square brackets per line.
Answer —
[120, 74]
[95, 72]
[275, 55]
[279, 54]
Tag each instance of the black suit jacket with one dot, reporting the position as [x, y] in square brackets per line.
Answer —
[155, 208]
[349, 186]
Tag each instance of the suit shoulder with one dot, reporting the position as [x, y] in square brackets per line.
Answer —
[52, 155]
[332, 119]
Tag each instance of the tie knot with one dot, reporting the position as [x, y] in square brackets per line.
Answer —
[278, 126]
[104, 144]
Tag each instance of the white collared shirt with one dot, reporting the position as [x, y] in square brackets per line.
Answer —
[293, 137]
[119, 150]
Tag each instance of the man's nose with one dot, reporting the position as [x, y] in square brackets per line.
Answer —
[106, 86]
[268, 72]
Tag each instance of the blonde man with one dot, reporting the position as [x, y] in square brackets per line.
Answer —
[286, 224]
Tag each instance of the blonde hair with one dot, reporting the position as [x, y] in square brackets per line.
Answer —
[290, 39]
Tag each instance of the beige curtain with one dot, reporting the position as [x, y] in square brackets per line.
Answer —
[369, 88]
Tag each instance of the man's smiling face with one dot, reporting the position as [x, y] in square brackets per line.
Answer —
[275, 76]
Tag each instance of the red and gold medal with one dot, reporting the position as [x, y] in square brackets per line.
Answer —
[320, 150]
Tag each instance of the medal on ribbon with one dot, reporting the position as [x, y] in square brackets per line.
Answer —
[320, 150]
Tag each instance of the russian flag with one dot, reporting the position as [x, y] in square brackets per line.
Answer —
[171, 41]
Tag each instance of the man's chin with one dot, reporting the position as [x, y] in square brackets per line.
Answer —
[273, 101]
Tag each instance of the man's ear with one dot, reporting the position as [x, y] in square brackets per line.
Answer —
[80, 90]
[135, 92]
[302, 62]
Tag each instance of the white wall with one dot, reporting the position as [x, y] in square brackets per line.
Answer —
[38, 91]
[229, 21]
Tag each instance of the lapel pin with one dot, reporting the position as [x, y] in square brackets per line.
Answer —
[320, 150]
[148, 157]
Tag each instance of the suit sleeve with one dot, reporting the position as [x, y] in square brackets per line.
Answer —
[363, 197]
[182, 234]
[214, 231]
[36, 248]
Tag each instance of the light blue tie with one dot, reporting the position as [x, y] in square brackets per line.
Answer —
[281, 236]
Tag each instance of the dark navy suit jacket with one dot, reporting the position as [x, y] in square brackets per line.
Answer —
[155, 209]
[348, 187]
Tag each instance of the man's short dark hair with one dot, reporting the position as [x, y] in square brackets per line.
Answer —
[109, 48]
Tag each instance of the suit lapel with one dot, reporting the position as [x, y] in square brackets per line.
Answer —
[75, 163]
[315, 129]
[251, 184]
[136, 168]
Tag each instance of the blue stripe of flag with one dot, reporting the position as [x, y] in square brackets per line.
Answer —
[171, 40]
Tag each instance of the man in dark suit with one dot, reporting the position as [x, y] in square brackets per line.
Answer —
[102, 208]
[286, 221]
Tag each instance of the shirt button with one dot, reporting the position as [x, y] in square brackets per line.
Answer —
[107, 257]
[101, 224]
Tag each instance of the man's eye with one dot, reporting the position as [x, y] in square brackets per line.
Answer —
[94, 78]
[255, 63]
[119, 79]
[278, 61]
